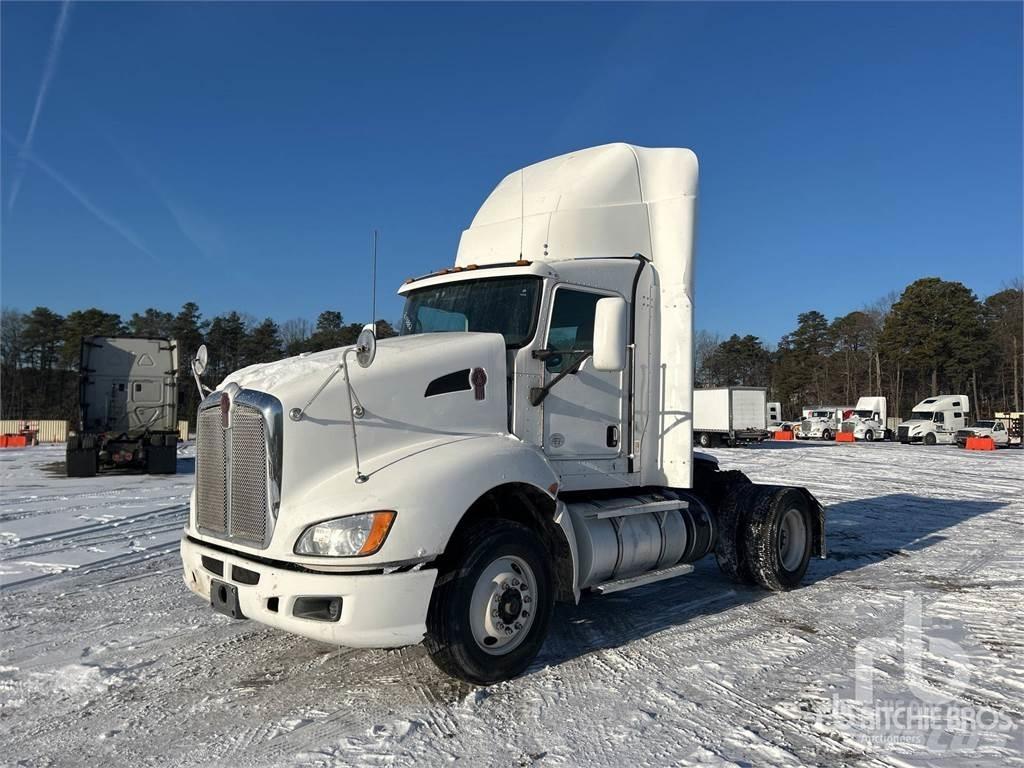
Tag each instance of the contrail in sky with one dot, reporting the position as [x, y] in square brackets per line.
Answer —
[81, 197]
[56, 43]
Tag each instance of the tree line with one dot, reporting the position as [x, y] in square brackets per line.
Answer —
[39, 350]
[936, 337]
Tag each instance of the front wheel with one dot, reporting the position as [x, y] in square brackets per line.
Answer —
[826, 434]
[929, 439]
[490, 610]
[869, 436]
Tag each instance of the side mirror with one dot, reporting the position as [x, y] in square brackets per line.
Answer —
[201, 360]
[366, 346]
[610, 328]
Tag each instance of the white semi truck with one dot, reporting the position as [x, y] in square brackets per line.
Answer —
[526, 438]
[821, 422]
[730, 415]
[868, 420]
[935, 420]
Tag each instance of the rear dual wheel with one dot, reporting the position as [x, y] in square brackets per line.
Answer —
[765, 536]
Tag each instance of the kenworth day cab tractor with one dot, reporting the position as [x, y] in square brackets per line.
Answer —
[525, 439]
[868, 420]
[821, 422]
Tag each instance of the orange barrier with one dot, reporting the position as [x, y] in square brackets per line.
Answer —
[13, 441]
[981, 444]
[782, 435]
[845, 437]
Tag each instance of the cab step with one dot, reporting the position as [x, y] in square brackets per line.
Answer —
[644, 578]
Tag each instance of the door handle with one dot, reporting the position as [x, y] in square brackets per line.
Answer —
[612, 436]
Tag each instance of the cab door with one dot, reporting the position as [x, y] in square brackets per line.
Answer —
[583, 412]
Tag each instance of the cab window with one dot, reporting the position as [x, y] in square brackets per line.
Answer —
[571, 332]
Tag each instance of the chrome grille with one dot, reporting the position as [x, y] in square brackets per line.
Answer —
[805, 426]
[849, 426]
[238, 483]
[903, 433]
[211, 472]
[248, 474]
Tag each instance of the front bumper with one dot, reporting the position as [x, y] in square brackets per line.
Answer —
[378, 610]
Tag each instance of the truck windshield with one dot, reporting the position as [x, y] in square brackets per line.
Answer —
[921, 416]
[505, 305]
[865, 414]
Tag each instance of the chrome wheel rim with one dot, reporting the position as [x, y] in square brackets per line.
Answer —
[502, 608]
[792, 539]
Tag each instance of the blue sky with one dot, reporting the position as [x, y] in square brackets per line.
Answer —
[238, 155]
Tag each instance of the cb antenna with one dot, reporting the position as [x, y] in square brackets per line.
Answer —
[373, 285]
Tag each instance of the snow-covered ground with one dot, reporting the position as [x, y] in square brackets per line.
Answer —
[106, 659]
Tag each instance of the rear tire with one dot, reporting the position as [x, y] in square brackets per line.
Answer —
[490, 610]
[705, 440]
[779, 537]
[732, 517]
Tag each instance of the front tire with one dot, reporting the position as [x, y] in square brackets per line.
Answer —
[491, 608]
[869, 436]
[929, 439]
[826, 434]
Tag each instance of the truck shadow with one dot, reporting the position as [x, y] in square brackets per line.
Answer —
[860, 533]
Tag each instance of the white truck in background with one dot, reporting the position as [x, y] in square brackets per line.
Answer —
[730, 415]
[821, 422]
[868, 420]
[773, 414]
[1006, 430]
[525, 439]
[935, 420]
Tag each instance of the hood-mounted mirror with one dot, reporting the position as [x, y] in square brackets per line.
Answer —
[366, 345]
[199, 365]
[201, 360]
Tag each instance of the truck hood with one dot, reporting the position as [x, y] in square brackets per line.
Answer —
[420, 391]
[913, 423]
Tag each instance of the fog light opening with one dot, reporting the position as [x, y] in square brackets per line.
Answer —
[317, 608]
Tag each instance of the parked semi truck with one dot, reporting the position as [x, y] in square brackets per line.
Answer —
[821, 422]
[730, 415]
[868, 420]
[127, 406]
[525, 439]
[935, 420]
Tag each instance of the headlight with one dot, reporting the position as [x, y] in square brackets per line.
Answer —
[351, 536]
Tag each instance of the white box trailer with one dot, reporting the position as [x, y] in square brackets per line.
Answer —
[730, 415]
